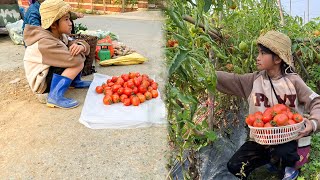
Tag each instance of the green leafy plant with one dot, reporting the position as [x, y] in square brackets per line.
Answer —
[80, 26]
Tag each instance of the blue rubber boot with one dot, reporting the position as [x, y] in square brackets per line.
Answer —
[78, 83]
[290, 174]
[59, 86]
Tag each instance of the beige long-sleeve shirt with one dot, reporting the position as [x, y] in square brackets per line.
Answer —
[256, 88]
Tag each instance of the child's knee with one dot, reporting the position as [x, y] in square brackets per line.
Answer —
[79, 67]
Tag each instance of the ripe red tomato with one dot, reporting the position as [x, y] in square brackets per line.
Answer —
[108, 81]
[120, 91]
[136, 81]
[154, 85]
[115, 98]
[142, 89]
[132, 75]
[140, 78]
[297, 117]
[267, 115]
[145, 83]
[137, 74]
[290, 115]
[107, 88]
[135, 90]
[107, 100]
[145, 78]
[110, 84]
[258, 123]
[123, 97]
[99, 89]
[281, 119]
[125, 84]
[127, 102]
[279, 108]
[290, 122]
[125, 77]
[127, 91]
[141, 97]
[148, 95]
[250, 119]
[135, 101]
[155, 94]
[130, 83]
[114, 79]
[108, 92]
[115, 87]
[268, 124]
[150, 89]
[120, 81]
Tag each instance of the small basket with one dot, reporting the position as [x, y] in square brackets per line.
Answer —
[88, 67]
[276, 135]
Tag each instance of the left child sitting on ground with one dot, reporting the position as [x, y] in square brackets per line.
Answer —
[52, 61]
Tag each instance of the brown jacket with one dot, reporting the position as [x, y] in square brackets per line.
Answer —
[256, 88]
[44, 50]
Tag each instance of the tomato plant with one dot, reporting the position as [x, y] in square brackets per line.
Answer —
[223, 37]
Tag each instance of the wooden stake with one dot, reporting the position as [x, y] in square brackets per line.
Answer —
[281, 13]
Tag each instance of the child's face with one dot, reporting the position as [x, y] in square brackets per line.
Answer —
[65, 25]
[265, 61]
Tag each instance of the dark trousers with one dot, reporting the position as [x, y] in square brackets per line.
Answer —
[255, 155]
[52, 70]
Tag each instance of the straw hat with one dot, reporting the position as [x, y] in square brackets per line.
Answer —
[278, 43]
[52, 10]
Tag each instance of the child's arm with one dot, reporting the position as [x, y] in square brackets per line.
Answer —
[311, 100]
[57, 54]
[72, 44]
[235, 84]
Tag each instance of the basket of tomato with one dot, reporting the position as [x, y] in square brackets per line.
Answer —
[130, 89]
[276, 125]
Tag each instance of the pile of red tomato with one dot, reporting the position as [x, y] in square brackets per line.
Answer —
[276, 116]
[130, 89]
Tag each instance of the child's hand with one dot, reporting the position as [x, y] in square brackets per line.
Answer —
[75, 49]
[307, 130]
